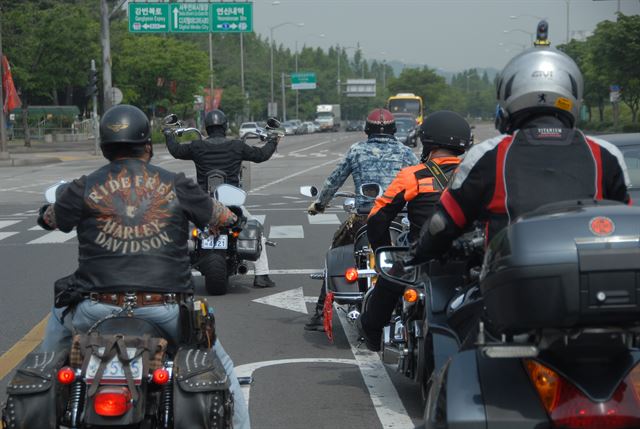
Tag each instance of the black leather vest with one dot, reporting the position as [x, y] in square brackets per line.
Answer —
[133, 232]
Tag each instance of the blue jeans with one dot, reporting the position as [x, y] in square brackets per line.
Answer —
[165, 316]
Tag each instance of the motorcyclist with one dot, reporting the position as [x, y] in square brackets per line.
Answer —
[445, 135]
[219, 153]
[375, 160]
[542, 158]
[131, 218]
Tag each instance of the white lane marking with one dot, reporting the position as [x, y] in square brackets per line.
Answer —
[286, 231]
[296, 271]
[292, 299]
[387, 403]
[54, 237]
[282, 179]
[247, 369]
[324, 219]
[290, 198]
[278, 204]
[6, 223]
[309, 147]
[259, 218]
[4, 235]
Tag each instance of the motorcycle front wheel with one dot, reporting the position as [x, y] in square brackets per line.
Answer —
[213, 267]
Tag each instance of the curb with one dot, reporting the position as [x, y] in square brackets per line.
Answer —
[26, 162]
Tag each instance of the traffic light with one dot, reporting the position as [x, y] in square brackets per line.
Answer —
[92, 87]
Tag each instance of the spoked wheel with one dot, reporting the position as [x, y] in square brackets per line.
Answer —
[213, 267]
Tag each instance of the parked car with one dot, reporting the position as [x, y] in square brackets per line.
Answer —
[629, 145]
[406, 130]
[310, 127]
[289, 128]
[247, 127]
[296, 123]
[355, 126]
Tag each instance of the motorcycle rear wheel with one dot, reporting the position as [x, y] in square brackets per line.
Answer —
[213, 267]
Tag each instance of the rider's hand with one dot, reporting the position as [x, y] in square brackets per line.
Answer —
[42, 218]
[315, 208]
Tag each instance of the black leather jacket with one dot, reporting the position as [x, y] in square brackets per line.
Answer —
[219, 153]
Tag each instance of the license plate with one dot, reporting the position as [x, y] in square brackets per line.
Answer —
[114, 370]
[219, 242]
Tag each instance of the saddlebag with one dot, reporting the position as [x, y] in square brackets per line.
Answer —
[563, 267]
[250, 241]
[338, 259]
[201, 395]
[34, 395]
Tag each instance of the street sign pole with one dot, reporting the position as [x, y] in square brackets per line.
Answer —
[284, 104]
[210, 71]
[4, 153]
[96, 126]
[105, 38]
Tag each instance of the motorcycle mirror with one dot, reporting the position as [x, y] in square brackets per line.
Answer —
[171, 119]
[349, 204]
[273, 123]
[390, 264]
[371, 190]
[230, 195]
[309, 191]
[53, 192]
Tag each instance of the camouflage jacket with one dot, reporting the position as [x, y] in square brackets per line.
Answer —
[376, 160]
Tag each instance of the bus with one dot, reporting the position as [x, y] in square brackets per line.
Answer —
[408, 104]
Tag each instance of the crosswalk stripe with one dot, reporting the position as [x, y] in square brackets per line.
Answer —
[4, 235]
[6, 223]
[324, 219]
[286, 231]
[36, 228]
[54, 237]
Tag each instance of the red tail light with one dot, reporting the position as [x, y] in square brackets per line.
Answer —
[351, 274]
[112, 401]
[66, 375]
[569, 408]
[160, 376]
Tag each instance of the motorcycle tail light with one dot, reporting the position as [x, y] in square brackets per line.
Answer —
[112, 401]
[235, 234]
[160, 376]
[569, 408]
[351, 274]
[194, 233]
[66, 375]
[410, 295]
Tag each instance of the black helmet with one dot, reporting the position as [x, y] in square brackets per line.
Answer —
[215, 118]
[445, 129]
[124, 124]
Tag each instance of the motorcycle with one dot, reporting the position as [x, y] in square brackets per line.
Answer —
[126, 372]
[221, 255]
[349, 270]
[555, 336]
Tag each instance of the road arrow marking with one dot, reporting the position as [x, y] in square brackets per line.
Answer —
[292, 299]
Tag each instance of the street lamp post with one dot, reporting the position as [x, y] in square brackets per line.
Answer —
[340, 49]
[299, 24]
[321, 35]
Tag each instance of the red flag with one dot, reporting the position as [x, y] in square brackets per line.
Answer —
[11, 100]
[217, 97]
[211, 103]
[173, 87]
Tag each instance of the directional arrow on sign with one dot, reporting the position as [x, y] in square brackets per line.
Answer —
[292, 299]
[176, 12]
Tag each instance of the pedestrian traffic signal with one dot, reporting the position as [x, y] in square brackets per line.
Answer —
[92, 87]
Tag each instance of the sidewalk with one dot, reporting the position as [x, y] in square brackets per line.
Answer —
[41, 153]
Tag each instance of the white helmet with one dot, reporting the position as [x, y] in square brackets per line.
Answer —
[540, 79]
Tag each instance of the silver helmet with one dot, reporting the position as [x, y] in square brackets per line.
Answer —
[540, 79]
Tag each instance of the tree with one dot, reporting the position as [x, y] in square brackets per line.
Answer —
[423, 82]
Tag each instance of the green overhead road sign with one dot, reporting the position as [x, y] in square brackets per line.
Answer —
[303, 80]
[231, 17]
[190, 17]
[148, 17]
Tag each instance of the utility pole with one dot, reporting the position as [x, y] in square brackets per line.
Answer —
[96, 128]
[4, 153]
[244, 96]
[284, 104]
[105, 39]
[211, 68]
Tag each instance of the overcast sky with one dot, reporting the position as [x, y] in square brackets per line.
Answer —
[447, 34]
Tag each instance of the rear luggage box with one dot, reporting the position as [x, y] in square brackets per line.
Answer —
[568, 266]
[250, 241]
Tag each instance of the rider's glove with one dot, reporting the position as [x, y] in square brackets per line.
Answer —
[41, 218]
[315, 208]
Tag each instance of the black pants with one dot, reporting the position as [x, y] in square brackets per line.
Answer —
[346, 234]
[380, 304]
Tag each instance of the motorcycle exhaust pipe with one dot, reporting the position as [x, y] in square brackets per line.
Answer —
[243, 269]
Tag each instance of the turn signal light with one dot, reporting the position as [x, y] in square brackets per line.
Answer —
[351, 274]
[235, 234]
[112, 401]
[568, 407]
[66, 375]
[160, 376]
[194, 233]
[410, 295]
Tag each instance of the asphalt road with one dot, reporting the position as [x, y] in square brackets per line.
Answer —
[301, 380]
